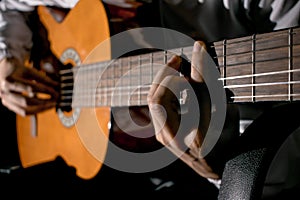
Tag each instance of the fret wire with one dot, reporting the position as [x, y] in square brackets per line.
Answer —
[105, 89]
[84, 81]
[121, 76]
[151, 65]
[99, 81]
[224, 61]
[129, 63]
[181, 54]
[140, 77]
[253, 67]
[290, 65]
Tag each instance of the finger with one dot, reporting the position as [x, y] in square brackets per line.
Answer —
[38, 76]
[37, 87]
[13, 107]
[194, 140]
[163, 108]
[28, 110]
[198, 55]
[28, 88]
[7, 86]
[24, 101]
[198, 165]
[201, 166]
[39, 108]
[24, 105]
[171, 68]
[165, 95]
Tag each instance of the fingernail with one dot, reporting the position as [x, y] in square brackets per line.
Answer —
[30, 93]
[197, 47]
[174, 60]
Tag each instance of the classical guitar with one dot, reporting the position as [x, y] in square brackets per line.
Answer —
[262, 67]
[44, 137]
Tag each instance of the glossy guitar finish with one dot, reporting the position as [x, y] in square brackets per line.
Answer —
[80, 32]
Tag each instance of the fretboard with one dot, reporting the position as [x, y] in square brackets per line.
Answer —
[119, 82]
[261, 67]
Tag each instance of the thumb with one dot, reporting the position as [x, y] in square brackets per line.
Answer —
[197, 67]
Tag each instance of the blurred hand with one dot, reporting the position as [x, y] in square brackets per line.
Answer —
[172, 128]
[26, 90]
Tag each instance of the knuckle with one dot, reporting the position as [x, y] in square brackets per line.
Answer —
[4, 84]
[21, 112]
[154, 99]
[23, 102]
[3, 101]
[160, 138]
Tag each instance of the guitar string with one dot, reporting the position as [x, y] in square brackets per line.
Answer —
[112, 92]
[284, 34]
[143, 101]
[121, 96]
[252, 75]
[104, 64]
[227, 78]
[226, 86]
[222, 78]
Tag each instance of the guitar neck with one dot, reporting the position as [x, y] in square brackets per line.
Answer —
[261, 67]
[119, 82]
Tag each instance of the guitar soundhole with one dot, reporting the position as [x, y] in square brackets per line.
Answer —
[66, 88]
[68, 115]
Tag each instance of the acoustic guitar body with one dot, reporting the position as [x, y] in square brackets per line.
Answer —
[43, 137]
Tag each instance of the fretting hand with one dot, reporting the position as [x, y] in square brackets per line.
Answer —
[164, 108]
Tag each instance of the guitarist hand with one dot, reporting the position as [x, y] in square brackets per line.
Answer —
[164, 107]
[26, 90]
